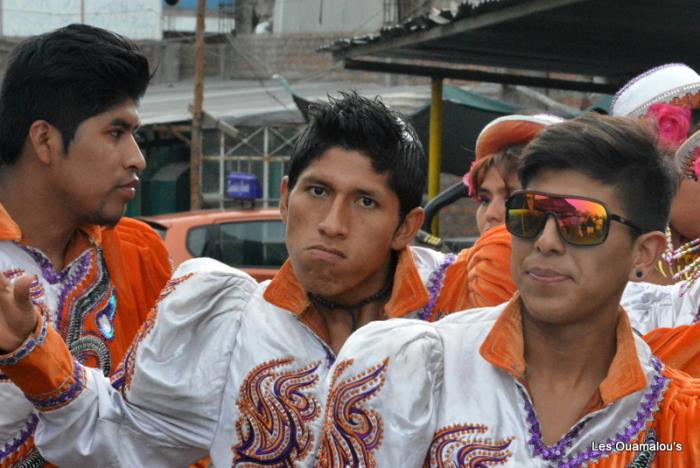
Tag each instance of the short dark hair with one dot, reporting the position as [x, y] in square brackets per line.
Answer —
[616, 151]
[65, 77]
[367, 126]
[504, 161]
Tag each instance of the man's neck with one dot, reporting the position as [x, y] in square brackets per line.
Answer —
[342, 323]
[565, 367]
[44, 225]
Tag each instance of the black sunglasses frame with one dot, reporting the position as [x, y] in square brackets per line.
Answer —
[606, 226]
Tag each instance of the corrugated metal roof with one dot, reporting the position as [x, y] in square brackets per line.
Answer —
[428, 20]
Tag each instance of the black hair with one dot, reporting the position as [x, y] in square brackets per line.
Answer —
[65, 77]
[617, 151]
[369, 127]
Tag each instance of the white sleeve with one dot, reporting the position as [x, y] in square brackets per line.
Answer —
[174, 375]
[383, 393]
[652, 306]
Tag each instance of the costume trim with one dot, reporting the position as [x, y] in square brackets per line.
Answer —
[351, 432]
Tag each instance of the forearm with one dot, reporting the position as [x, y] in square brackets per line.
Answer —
[83, 419]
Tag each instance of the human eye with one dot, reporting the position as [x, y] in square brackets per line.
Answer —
[317, 191]
[483, 199]
[367, 202]
[116, 133]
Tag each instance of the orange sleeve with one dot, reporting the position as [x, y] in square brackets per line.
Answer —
[677, 347]
[44, 369]
[481, 275]
[139, 266]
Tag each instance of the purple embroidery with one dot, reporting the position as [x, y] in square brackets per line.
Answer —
[76, 275]
[697, 315]
[556, 453]
[62, 397]
[47, 269]
[20, 439]
[27, 347]
[434, 287]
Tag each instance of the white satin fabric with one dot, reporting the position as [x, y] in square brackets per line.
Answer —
[222, 372]
[435, 381]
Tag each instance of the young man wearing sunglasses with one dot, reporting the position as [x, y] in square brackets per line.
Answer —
[555, 377]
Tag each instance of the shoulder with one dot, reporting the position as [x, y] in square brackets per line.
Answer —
[136, 242]
[132, 229]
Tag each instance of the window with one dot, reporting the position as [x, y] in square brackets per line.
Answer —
[252, 244]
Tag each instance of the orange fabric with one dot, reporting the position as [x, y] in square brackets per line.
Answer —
[139, 267]
[510, 133]
[45, 371]
[675, 424]
[407, 295]
[8, 228]
[504, 348]
[677, 347]
[480, 277]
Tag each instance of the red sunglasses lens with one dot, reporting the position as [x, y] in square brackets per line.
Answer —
[580, 221]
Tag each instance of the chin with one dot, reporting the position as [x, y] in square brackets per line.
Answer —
[546, 310]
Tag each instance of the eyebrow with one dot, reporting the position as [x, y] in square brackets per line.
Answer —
[125, 124]
[359, 191]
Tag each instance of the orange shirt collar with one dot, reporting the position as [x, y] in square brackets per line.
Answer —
[407, 295]
[504, 348]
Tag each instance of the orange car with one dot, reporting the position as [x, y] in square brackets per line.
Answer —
[252, 240]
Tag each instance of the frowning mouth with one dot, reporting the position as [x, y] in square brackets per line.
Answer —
[323, 252]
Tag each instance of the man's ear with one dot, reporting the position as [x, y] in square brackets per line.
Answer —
[408, 228]
[45, 141]
[284, 198]
[647, 251]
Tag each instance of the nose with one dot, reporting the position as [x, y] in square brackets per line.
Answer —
[334, 222]
[549, 240]
[496, 211]
[134, 157]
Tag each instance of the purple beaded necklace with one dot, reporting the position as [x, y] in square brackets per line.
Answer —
[557, 452]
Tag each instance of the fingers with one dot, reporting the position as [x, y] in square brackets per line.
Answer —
[22, 294]
[5, 284]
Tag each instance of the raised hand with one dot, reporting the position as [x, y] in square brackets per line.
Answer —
[17, 313]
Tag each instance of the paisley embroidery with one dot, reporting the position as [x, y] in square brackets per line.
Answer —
[276, 411]
[457, 447]
[351, 432]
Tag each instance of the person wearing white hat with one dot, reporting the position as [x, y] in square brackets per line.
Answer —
[668, 97]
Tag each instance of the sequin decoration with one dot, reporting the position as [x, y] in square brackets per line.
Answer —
[435, 283]
[105, 318]
[351, 432]
[557, 454]
[461, 446]
[276, 411]
[19, 443]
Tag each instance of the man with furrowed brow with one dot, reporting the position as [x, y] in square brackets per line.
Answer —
[556, 376]
[232, 368]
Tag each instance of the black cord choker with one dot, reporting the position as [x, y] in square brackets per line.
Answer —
[378, 296]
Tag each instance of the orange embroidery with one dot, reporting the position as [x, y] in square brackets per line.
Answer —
[276, 411]
[455, 447]
[351, 432]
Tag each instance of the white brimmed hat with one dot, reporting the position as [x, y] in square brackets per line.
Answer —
[511, 130]
[673, 83]
[686, 157]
